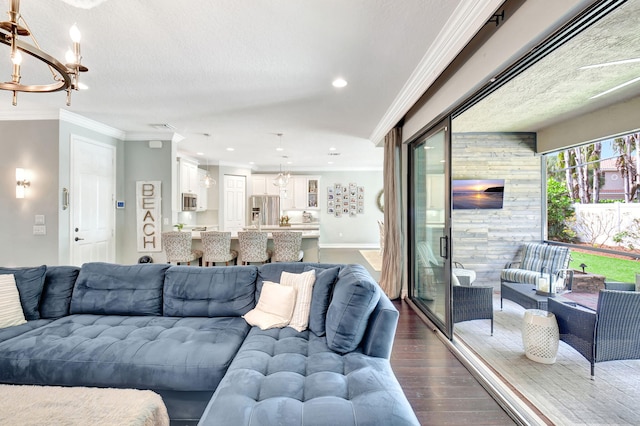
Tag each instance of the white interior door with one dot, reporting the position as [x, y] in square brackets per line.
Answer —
[234, 202]
[92, 202]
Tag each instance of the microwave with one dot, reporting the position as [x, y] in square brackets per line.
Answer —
[189, 202]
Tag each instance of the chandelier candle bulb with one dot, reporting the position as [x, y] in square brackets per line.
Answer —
[65, 76]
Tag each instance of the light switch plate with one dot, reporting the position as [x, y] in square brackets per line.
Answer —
[39, 230]
[39, 219]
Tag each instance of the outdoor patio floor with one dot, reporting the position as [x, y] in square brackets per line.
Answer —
[562, 391]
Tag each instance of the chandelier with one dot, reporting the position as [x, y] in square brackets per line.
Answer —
[65, 76]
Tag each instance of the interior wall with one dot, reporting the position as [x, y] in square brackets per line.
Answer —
[360, 231]
[142, 163]
[32, 145]
[485, 240]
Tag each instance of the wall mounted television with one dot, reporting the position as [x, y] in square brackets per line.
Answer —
[472, 194]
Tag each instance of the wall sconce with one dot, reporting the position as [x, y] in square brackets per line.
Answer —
[22, 183]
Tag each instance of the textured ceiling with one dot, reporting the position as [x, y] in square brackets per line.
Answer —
[240, 71]
[556, 89]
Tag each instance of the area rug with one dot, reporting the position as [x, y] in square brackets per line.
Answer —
[374, 258]
[54, 405]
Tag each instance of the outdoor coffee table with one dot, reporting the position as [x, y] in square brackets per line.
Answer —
[525, 296]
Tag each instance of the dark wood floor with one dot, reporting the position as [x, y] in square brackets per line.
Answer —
[440, 389]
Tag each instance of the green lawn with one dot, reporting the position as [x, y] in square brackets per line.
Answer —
[613, 269]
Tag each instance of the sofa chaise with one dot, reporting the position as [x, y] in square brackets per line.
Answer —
[181, 331]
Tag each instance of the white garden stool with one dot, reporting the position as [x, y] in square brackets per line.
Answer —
[540, 336]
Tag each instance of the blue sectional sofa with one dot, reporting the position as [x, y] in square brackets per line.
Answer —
[180, 331]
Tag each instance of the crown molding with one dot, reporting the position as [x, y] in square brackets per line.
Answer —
[29, 115]
[467, 19]
[87, 123]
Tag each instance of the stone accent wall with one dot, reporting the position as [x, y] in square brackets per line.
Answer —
[485, 240]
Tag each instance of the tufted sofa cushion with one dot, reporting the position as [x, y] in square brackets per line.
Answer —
[209, 292]
[109, 289]
[187, 354]
[282, 377]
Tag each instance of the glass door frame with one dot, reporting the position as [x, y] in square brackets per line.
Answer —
[446, 326]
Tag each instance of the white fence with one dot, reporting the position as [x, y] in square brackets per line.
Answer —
[599, 224]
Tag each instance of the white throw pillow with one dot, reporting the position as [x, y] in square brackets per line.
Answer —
[303, 283]
[10, 308]
[454, 280]
[274, 308]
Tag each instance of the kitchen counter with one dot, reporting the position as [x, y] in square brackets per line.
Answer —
[294, 227]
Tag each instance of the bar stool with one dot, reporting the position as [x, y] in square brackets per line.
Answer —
[253, 247]
[286, 246]
[217, 248]
[177, 246]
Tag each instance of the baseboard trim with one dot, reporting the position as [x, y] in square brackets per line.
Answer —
[358, 246]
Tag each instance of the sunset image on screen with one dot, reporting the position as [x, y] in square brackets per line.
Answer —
[478, 193]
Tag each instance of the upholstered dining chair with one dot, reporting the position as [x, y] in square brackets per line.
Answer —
[286, 246]
[177, 246]
[253, 247]
[217, 248]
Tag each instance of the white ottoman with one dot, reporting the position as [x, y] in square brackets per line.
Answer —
[540, 336]
[70, 406]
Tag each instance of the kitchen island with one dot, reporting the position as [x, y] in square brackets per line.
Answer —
[310, 240]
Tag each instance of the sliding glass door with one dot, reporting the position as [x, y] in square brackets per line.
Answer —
[430, 226]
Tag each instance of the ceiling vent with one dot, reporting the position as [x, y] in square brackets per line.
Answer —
[163, 126]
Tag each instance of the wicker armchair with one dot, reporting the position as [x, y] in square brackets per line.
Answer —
[472, 303]
[610, 333]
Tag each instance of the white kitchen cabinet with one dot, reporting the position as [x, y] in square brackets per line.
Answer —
[263, 185]
[203, 191]
[188, 176]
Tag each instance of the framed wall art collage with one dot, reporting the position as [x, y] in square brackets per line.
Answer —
[345, 200]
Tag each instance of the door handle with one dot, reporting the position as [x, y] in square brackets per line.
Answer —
[78, 239]
[444, 247]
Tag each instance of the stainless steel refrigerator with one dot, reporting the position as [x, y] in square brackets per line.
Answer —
[265, 208]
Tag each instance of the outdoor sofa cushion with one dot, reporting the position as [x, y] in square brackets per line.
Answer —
[536, 259]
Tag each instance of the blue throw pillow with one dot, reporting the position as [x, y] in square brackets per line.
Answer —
[322, 289]
[58, 287]
[355, 296]
[29, 282]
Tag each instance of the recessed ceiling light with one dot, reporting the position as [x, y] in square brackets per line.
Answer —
[279, 148]
[252, 162]
[289, 162]
[230, 149]
[329, 162]
[200, 153]
[163, 126]
[333, 148]
[339, 82]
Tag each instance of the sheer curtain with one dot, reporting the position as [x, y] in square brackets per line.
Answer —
[391, 274]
